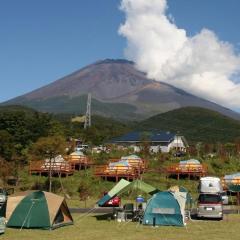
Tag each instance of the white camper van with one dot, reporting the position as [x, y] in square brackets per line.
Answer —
[210, 201]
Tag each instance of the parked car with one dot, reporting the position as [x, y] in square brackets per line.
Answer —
[179, 154]
[114, 202]
[210, 205]
[224, 198]
[3, 196]
[82, 147]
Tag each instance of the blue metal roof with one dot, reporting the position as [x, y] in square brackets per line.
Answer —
[147, 136]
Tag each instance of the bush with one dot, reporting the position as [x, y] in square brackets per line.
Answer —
[83, 190]
[56, 185]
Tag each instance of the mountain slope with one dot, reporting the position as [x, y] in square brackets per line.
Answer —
[118, 90]
[196, 124]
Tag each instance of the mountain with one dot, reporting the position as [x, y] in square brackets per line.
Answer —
[118, 90]
[196, 124]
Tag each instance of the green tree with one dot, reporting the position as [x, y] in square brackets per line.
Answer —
[49, 148]
[199, 148]
[5, 169]
[230, 149]
[6, 145]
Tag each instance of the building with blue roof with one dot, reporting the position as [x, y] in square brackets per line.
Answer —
[159, 141]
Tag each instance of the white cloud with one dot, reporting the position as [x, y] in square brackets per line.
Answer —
[202, 65]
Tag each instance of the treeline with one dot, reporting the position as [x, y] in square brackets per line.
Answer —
[196, 124]
[21, 127]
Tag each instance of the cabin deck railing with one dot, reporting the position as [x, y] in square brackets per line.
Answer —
[128, 172]
[185, 169]
[55, 167]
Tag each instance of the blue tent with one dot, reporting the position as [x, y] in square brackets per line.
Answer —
[165, 208]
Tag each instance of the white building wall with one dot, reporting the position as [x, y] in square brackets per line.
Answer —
[176, 143]
[154, 149]
[135, 148]
[165, 149]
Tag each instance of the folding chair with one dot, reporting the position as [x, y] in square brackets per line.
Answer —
[128, 210]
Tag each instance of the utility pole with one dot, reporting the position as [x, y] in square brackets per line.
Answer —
[87, 122]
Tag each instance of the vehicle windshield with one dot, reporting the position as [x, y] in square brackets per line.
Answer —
[209, 198]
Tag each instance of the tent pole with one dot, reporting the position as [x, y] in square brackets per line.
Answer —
[27, 215]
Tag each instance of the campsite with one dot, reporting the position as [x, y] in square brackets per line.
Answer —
[160, 200]
[90, 228]
[95, 225]
[120, 120]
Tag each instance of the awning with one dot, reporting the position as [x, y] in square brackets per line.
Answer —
[124, 185]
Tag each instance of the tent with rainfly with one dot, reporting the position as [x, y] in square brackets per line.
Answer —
[165, 208]
[124, 185]
[37, 209]
[232, 182]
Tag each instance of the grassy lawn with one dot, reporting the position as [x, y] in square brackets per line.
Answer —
[91, 228]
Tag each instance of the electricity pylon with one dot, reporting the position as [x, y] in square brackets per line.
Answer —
[87, 122]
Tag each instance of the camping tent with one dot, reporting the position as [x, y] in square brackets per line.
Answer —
[232, 182]
[113, 192]
[189, 162]
[165, 208]
[77, 156]
[134, 161]
[135, 157]
[37, 209]
[190, 165]
[77, 153]
[115, 165]
[123, 186]
[55, 164]
[189, 200]
[232, 179]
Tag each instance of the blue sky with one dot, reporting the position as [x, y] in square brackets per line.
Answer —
[41, 41]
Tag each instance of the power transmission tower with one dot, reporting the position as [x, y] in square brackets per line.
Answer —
[87, 122]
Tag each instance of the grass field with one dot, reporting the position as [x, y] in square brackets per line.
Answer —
[90, 228]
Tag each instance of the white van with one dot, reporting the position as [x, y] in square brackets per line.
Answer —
[213, 185]
[82, 147]
[210, 205]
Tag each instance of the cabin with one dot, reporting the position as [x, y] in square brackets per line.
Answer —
[158, 141]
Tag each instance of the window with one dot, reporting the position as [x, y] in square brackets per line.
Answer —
[209, 198]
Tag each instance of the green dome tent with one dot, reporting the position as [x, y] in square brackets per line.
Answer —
[37, 209]
[165, 208]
